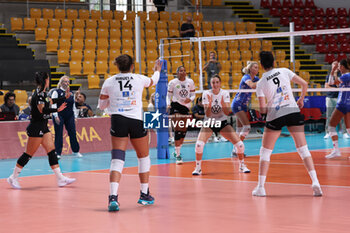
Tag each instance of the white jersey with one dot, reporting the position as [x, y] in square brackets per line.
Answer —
[125, 94]
[275, 86]
[181, 90]
[216, 107]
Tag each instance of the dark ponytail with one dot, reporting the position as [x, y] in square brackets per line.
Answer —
[40, 79]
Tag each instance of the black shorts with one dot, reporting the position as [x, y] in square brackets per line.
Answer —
[37, 129]
[292, 119]
[175, 107]
[124, 127]
[218, 129]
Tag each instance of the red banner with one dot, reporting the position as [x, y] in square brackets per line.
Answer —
[92, 134]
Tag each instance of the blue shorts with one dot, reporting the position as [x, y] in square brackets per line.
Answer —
[344, 108]
[237, 107]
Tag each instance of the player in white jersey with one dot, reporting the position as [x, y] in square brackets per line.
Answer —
[217, 107]
[121, 96]
[181, 93]
[282, 110]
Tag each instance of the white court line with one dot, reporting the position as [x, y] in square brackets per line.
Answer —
[222, 180]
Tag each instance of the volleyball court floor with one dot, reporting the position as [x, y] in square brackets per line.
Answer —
[220, 200]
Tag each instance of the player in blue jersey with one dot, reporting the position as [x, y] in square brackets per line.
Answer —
[343, 105]
[241, 100]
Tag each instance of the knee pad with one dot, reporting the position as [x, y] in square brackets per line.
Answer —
[118, 154]
[144, 164]
[239, 130]
[179, 135]
[199, 147]
[53, 160]
[332, 131]
[304, 152]
[117, 165]
[24, 159]
[239, 147]
[245, 131]
[265, 154]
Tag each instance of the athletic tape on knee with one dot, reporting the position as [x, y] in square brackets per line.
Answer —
[117, 165]
[199, 147]
[239, 147]
[179, 135]
[265, 154]
[332, 131]
[53, 160]
[304, 152]
[245, 131]
[144, 164]
[118, 154]
[24, 159]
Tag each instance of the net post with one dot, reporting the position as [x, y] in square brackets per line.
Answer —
[292, 47]
[200, 64]
[161, 49]
[138, 41]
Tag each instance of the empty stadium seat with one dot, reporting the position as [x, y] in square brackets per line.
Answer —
[29, 24]
[93, 81]
[17, 24]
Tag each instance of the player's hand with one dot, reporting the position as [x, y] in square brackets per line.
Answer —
[62, 107]
[158, 66]
[57, 120]
[187, 100]
[300, 103]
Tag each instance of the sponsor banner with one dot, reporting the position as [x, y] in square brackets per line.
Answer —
[92, 134]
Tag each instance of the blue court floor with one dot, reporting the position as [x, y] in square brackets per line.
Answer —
[101, 160]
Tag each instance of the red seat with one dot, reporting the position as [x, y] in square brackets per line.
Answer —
[332, 26]
[308, 12]
[320, 26]
[318, 39]
[286, 12]
[341, 56]
[309, 27]
[276, 4]
[333, 48]
[307, 39]
[342, 21]
[296, 20]
[284, 20]
[321, 48]
[298, 27]
[342, 12]
[275, 12]
[319, 12]
[310, 3]
[330, 12]
[297, 12]
[329, 58]
[308, 21]
[298, 4]
[264, 4]
[342, 38]
[287, 3]
[330, 20]
[345, 47]
[330, 38]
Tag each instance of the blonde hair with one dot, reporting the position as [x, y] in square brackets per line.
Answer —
[59, 84]
[246, 70]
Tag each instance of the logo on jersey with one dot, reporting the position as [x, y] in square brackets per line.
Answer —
[216, 108]
[183, 93]
[126, 94]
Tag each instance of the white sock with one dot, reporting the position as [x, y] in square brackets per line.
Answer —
[335, 145]
[177, 150]
[58, 173]
[144, 188]
[234, 150]
[114, 188]
[261, 180]
[313, 177]
[16, 172]
[198, 164]
[241, 161]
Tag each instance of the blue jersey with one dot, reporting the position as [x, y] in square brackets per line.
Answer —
[344, 96]
[242, 98]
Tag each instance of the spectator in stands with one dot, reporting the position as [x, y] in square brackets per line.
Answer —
[198, 110]
[331, 102]
[10, 105]
[25, 113]
[82, 109]
[187, 28]
[160, 4]
[152, 105]
[212, 67]
[65, 117]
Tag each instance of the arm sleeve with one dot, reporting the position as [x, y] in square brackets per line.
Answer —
[259, 90]
[54, 97]
[155, 78]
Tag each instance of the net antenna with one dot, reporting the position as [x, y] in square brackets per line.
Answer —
[290, 34]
